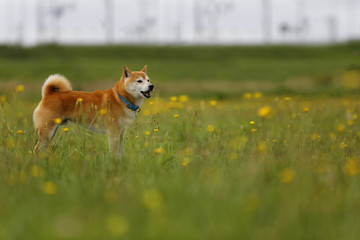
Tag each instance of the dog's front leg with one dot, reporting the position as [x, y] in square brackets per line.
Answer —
[116, 142]
[121, 151]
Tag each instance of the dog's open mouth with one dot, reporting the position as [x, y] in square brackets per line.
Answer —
[146, 94]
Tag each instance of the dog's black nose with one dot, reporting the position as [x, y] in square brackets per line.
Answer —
[151, 87]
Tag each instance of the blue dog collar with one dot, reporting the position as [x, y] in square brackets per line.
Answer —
[129, 104]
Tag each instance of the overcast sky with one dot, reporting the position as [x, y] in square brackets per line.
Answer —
[170, 21]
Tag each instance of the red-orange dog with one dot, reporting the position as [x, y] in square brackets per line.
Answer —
[110, 110]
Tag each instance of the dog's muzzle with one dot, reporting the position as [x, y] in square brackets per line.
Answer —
[147, 94]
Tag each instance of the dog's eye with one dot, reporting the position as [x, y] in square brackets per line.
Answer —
[148, 80]
[139, 81]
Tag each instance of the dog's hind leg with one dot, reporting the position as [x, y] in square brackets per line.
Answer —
[45, 134]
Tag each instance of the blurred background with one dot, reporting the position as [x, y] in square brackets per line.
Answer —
[33, 22]
[268, 41]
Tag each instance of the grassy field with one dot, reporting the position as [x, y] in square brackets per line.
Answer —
[237, 143]
[197, 71]
[260, 167]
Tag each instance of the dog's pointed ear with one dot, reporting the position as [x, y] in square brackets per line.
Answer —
[126, 72]
[144, 70]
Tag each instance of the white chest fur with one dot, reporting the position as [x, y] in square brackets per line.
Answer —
[128, 118]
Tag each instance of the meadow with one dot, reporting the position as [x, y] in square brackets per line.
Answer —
[255, 165]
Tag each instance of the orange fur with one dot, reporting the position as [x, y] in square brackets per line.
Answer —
[100, 110]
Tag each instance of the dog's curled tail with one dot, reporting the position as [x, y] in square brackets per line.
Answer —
[55, 83]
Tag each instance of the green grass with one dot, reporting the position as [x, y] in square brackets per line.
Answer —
[295, 177]
[182, 66]
[293, 174]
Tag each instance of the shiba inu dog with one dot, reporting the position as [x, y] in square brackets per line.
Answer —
[111, 110]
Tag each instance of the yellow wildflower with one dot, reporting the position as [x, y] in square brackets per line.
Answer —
[20, 131]
[58, 120]
[183, 98]
[19, 88]
[159, 150]
[173, 99]
[257, 95]
[253, 130]
[152, 199]
[332, 136]
[341, 127]
[350, 122]
[287, 99]
[252, 122]
[156, 130]
[147, 132]
[343, 145]
[79, 100]
[210, 128]
[35, 171]
[265, 112]
[176, 115]
[185, 161]
[306, 109]
[65, 129]
[287, 175]
[352, 167]
[50, 188]
[213, 103]
[261, 146]
[102, 112]
[315, 136]
[2, 98]
[247, 95]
